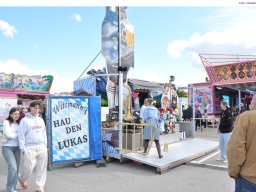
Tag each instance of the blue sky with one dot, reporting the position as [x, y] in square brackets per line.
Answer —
[63, 40]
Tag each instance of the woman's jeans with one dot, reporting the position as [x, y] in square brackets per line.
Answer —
[12, 158]
[243, 185]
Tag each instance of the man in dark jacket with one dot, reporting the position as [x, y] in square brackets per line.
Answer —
[189, 112]
[225, 129]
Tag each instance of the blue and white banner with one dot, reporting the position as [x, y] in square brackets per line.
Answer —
[69, 128]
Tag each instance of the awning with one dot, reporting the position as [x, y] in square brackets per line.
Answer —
[250, 86]
[142, 85]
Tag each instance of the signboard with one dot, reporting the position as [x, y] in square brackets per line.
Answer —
[203, 98]
[25, 82]
[75, 130]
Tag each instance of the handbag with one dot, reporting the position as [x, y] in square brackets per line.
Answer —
[3, 138]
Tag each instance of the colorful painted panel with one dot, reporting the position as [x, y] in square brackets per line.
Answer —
[202, 97]
[25, 82]
[232, 73]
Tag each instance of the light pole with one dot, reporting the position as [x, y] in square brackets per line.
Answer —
[172, 78]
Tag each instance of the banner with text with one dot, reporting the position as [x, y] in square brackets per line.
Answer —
[69, 119]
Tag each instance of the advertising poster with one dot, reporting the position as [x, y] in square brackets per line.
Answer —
[203, 98]
[69, 129]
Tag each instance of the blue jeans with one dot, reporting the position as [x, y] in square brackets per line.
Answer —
[12, 158]
[243, 185]
[224, 138]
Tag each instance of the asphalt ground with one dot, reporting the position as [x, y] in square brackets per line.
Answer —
[196, 176]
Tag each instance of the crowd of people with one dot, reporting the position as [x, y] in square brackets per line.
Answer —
[26, 147]
[236, 140]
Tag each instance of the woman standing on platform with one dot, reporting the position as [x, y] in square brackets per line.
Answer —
[151, 115]
[10, 149]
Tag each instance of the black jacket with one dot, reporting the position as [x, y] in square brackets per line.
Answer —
[226, 121]
[243, 109]
[189, 112]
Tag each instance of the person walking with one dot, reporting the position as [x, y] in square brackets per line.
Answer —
[33, 145]
[241, 151]
[10, 149]
[151, 115]
[225, 129]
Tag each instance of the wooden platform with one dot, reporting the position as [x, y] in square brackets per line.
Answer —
[178, 153]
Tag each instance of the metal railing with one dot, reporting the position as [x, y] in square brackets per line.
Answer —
[133, 137]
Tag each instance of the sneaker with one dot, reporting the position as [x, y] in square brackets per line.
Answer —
[222, 160]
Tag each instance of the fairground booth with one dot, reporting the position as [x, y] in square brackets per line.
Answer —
[133, 98]
[21, 90]
[232, 78]
[121, 98]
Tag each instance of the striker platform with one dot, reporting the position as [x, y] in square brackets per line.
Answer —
[178, 153]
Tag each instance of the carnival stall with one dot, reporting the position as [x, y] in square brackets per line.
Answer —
[140, 89]
[232, 78]
[20, 90]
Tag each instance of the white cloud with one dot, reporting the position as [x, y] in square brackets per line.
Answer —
[230, 31]
[60, 84]
[77, 17]
[8, 30]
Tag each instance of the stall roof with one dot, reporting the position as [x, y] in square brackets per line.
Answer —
[250, 86]
[225, 69]
[13, 92]
[137, 84]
